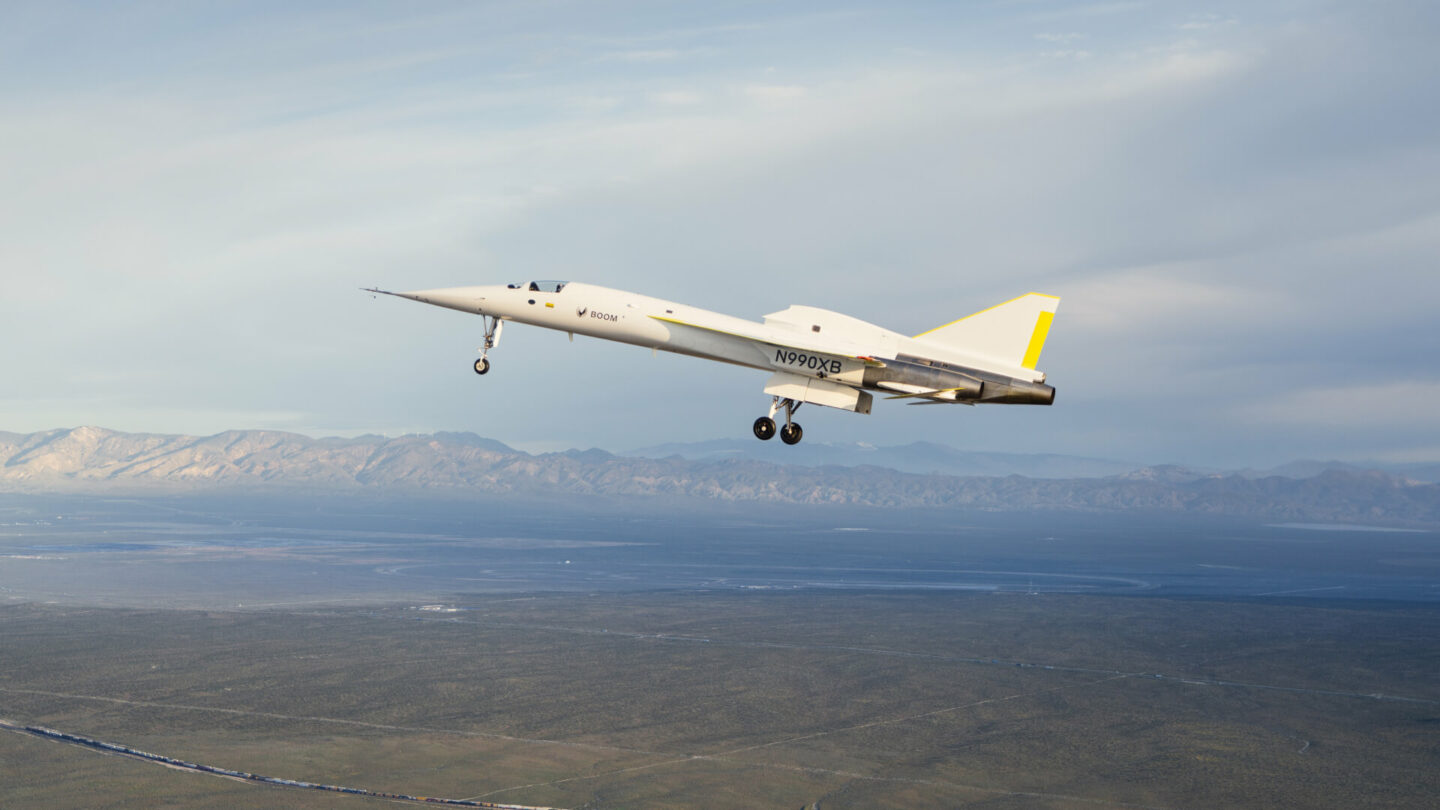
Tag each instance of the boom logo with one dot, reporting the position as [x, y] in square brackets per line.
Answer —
[580, 312]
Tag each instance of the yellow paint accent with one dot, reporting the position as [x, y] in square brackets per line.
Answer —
[985, 310]
[706, 328]
[550, 304]
[1037, 340]
[928, 393]
[760, 339]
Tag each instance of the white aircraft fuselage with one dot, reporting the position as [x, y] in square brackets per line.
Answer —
[814, 355]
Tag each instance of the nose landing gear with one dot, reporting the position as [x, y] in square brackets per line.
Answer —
[765, 425]
[492, 338]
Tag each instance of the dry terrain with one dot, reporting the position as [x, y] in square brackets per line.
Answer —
[725, 699]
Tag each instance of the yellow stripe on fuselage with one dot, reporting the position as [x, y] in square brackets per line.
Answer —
[1037, 340]
[769, 341]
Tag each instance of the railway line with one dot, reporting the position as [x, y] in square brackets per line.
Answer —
[245, 776]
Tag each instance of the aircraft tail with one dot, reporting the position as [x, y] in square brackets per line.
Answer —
[1013, 332]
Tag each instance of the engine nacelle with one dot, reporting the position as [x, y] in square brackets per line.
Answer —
[963, 384]
[1018, 392]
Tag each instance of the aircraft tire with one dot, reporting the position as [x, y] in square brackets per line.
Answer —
[791, 433]
[482, 366]
[764, 428]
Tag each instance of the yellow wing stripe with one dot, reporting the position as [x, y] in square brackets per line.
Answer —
[985, 310]
[765, 340]
[698, 326]
[1037, 340]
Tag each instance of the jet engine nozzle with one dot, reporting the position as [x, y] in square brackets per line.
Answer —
[1018, 392]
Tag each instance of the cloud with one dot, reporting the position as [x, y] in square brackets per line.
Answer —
[656, 55]
[192, 214]
[1207, 22]
[596, 104]
[1068, 11]
[774, 93]
[676, 97]
[1148, 303]
[1359, 409]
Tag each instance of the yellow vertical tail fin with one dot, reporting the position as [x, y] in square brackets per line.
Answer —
[1013, 332]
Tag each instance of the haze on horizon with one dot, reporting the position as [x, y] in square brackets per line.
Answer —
[1239, 204]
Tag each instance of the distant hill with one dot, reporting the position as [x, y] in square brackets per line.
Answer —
[1309, 469]
[917, 457]
[91, 459]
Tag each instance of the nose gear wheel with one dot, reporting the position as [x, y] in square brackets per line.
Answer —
[492, 336]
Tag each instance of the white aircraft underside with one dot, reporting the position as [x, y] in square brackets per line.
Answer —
[814, 355]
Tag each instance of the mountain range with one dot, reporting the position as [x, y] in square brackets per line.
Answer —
[97, 460]
[933, 458]
[925, 458]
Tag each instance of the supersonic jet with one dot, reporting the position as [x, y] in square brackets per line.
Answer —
[813, 355]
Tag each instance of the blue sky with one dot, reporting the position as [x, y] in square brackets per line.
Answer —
[1239, 204]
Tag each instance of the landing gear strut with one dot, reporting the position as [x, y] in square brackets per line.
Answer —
[765, 425]
[492, 337]
[791, 433]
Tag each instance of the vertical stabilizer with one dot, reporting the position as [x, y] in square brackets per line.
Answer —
[1013, 332]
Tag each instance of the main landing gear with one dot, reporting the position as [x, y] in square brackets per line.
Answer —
[765, 425]
[492, 337]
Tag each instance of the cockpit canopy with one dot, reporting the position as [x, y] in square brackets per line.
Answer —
[539, 286]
